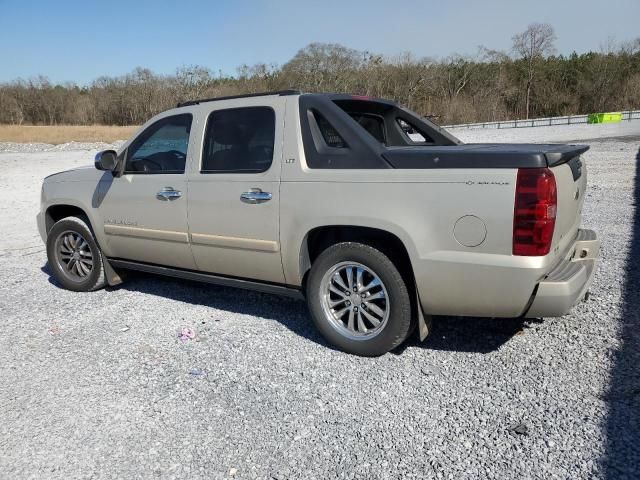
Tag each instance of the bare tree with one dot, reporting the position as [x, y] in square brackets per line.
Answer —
[323, 66]
[632, 47]
[532, 45]
[484, 87]
[192, 81]
[458, 71]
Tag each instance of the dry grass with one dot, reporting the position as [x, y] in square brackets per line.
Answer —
[63, 133]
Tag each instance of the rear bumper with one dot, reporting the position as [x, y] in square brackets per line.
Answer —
[567, 284]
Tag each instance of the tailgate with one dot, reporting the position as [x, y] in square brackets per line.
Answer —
[571, 183]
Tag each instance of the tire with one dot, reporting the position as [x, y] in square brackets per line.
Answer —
[74, 256]
[389, 303]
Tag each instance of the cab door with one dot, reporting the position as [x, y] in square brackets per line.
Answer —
[234, 191]
[144, 211]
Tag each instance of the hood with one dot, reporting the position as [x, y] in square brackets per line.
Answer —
[84, 173]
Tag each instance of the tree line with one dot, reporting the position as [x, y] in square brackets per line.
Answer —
[528, 81]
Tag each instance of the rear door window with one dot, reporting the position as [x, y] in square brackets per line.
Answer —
[239, 140]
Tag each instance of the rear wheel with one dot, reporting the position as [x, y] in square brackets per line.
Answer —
[74, 256]
[358, 299]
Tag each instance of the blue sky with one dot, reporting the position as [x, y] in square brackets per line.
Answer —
[81, 40]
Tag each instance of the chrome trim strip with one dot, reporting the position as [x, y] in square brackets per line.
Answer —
[138, 232]
[235, 242]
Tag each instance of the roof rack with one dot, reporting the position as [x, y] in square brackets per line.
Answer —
[247, 95]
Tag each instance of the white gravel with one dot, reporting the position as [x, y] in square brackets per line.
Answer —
[98, 385]
[556, 133]
[10, 147]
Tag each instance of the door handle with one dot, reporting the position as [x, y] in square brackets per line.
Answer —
[168, 193]
[255, 195]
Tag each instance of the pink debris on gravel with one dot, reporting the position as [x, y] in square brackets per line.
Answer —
[186, 333]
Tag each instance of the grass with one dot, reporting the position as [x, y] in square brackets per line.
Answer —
[57, 134]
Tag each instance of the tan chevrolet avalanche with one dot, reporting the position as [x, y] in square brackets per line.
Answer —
[377, 217]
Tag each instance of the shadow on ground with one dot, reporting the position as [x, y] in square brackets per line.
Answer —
[622, 455]
[469, 334]
[475, 335]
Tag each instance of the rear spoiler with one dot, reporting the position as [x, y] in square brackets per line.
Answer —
[563, 155]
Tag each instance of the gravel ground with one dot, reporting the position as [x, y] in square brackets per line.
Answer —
[8, 147]
[98, 385]
[556, 133]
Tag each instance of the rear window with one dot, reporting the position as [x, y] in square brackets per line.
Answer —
[386, 123]
[334, 126]
[373, 124]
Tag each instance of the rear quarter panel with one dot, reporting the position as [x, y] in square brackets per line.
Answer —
[420, 207]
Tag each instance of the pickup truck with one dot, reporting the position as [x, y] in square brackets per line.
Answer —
[374, 215]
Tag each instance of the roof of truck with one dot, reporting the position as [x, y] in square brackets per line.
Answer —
[333, 96]
[246, 95]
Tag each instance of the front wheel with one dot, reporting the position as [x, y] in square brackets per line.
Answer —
[74, 256]
[358, 299]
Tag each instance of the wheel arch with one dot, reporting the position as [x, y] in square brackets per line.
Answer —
[57, 212]
[319, 238]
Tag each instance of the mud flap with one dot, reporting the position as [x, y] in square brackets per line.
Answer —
[112, 277]
[424, 321]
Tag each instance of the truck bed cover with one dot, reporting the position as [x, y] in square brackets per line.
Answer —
[481, 155]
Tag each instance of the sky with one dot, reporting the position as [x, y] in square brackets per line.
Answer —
[78, 41]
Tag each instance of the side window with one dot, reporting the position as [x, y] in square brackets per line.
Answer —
[239, 140]
[161, 148]
[412, 133]
[330, 135]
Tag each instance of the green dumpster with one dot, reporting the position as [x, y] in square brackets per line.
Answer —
[611, 117]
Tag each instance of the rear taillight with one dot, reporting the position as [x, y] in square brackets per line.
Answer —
[534, 215]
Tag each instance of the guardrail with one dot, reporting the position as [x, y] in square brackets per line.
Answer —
[541, 122]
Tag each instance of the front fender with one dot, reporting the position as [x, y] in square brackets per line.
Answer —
[58, 194]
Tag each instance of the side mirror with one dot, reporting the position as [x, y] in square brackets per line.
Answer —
[106, 160]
